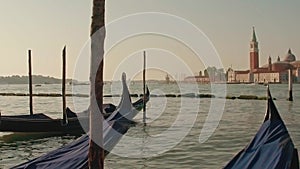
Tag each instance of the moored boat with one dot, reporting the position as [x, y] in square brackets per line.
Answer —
[271, 147]
[43, 123]
[75, 154]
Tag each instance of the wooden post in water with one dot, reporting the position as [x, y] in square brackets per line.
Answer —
[144, 89]
[290, 85]
[30, 83]
[96, 152]
[65, 120]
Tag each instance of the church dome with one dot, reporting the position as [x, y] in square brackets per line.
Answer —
[289, 57]
[281, 66]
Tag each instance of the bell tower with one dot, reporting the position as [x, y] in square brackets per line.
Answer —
[254, 56]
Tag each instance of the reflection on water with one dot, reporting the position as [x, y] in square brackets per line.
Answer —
[241, 119]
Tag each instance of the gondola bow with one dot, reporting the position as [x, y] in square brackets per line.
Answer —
[271, 148]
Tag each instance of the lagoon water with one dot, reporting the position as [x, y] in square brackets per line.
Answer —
[180, 148]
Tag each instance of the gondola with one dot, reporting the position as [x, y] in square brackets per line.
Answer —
[43, 123]
[75, 154]
[271, 148]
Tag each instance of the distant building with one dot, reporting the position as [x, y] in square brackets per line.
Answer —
[211, 75]
[238, 76]
[198, 79]
[272, 72]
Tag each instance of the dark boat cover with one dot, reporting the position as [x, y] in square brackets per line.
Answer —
[271, 148]
[75, 154]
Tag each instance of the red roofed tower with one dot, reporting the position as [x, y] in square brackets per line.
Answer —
[254, 56]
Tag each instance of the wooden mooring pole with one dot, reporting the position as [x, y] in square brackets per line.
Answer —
[96, 151]
[30, 83]
[144, 89]
[290, 85]
[65, 120]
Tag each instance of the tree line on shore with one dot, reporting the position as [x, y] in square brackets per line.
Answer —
[36, 79]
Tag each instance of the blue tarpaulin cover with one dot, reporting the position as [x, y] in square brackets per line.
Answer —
[75, 154]
[271, 148]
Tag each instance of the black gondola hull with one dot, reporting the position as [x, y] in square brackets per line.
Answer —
[77, 122]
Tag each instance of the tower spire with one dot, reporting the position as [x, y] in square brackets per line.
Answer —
[253, 35]
[254, 52]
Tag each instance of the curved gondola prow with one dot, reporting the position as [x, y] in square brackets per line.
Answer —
[147, 94]
[139, 104]
[269, 97]
[271, 147]
[128, 111]
[110, 108]
[272, 112]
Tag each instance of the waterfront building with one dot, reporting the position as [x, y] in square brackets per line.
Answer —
[211, 75]
[271, 72]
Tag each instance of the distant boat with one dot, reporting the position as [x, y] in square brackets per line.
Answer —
[167, 79]
[75, 154]
[38, 85]
[76, 83]
[271, 148]
[43, 123]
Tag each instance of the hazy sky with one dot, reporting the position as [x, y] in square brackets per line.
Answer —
[45, 26]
